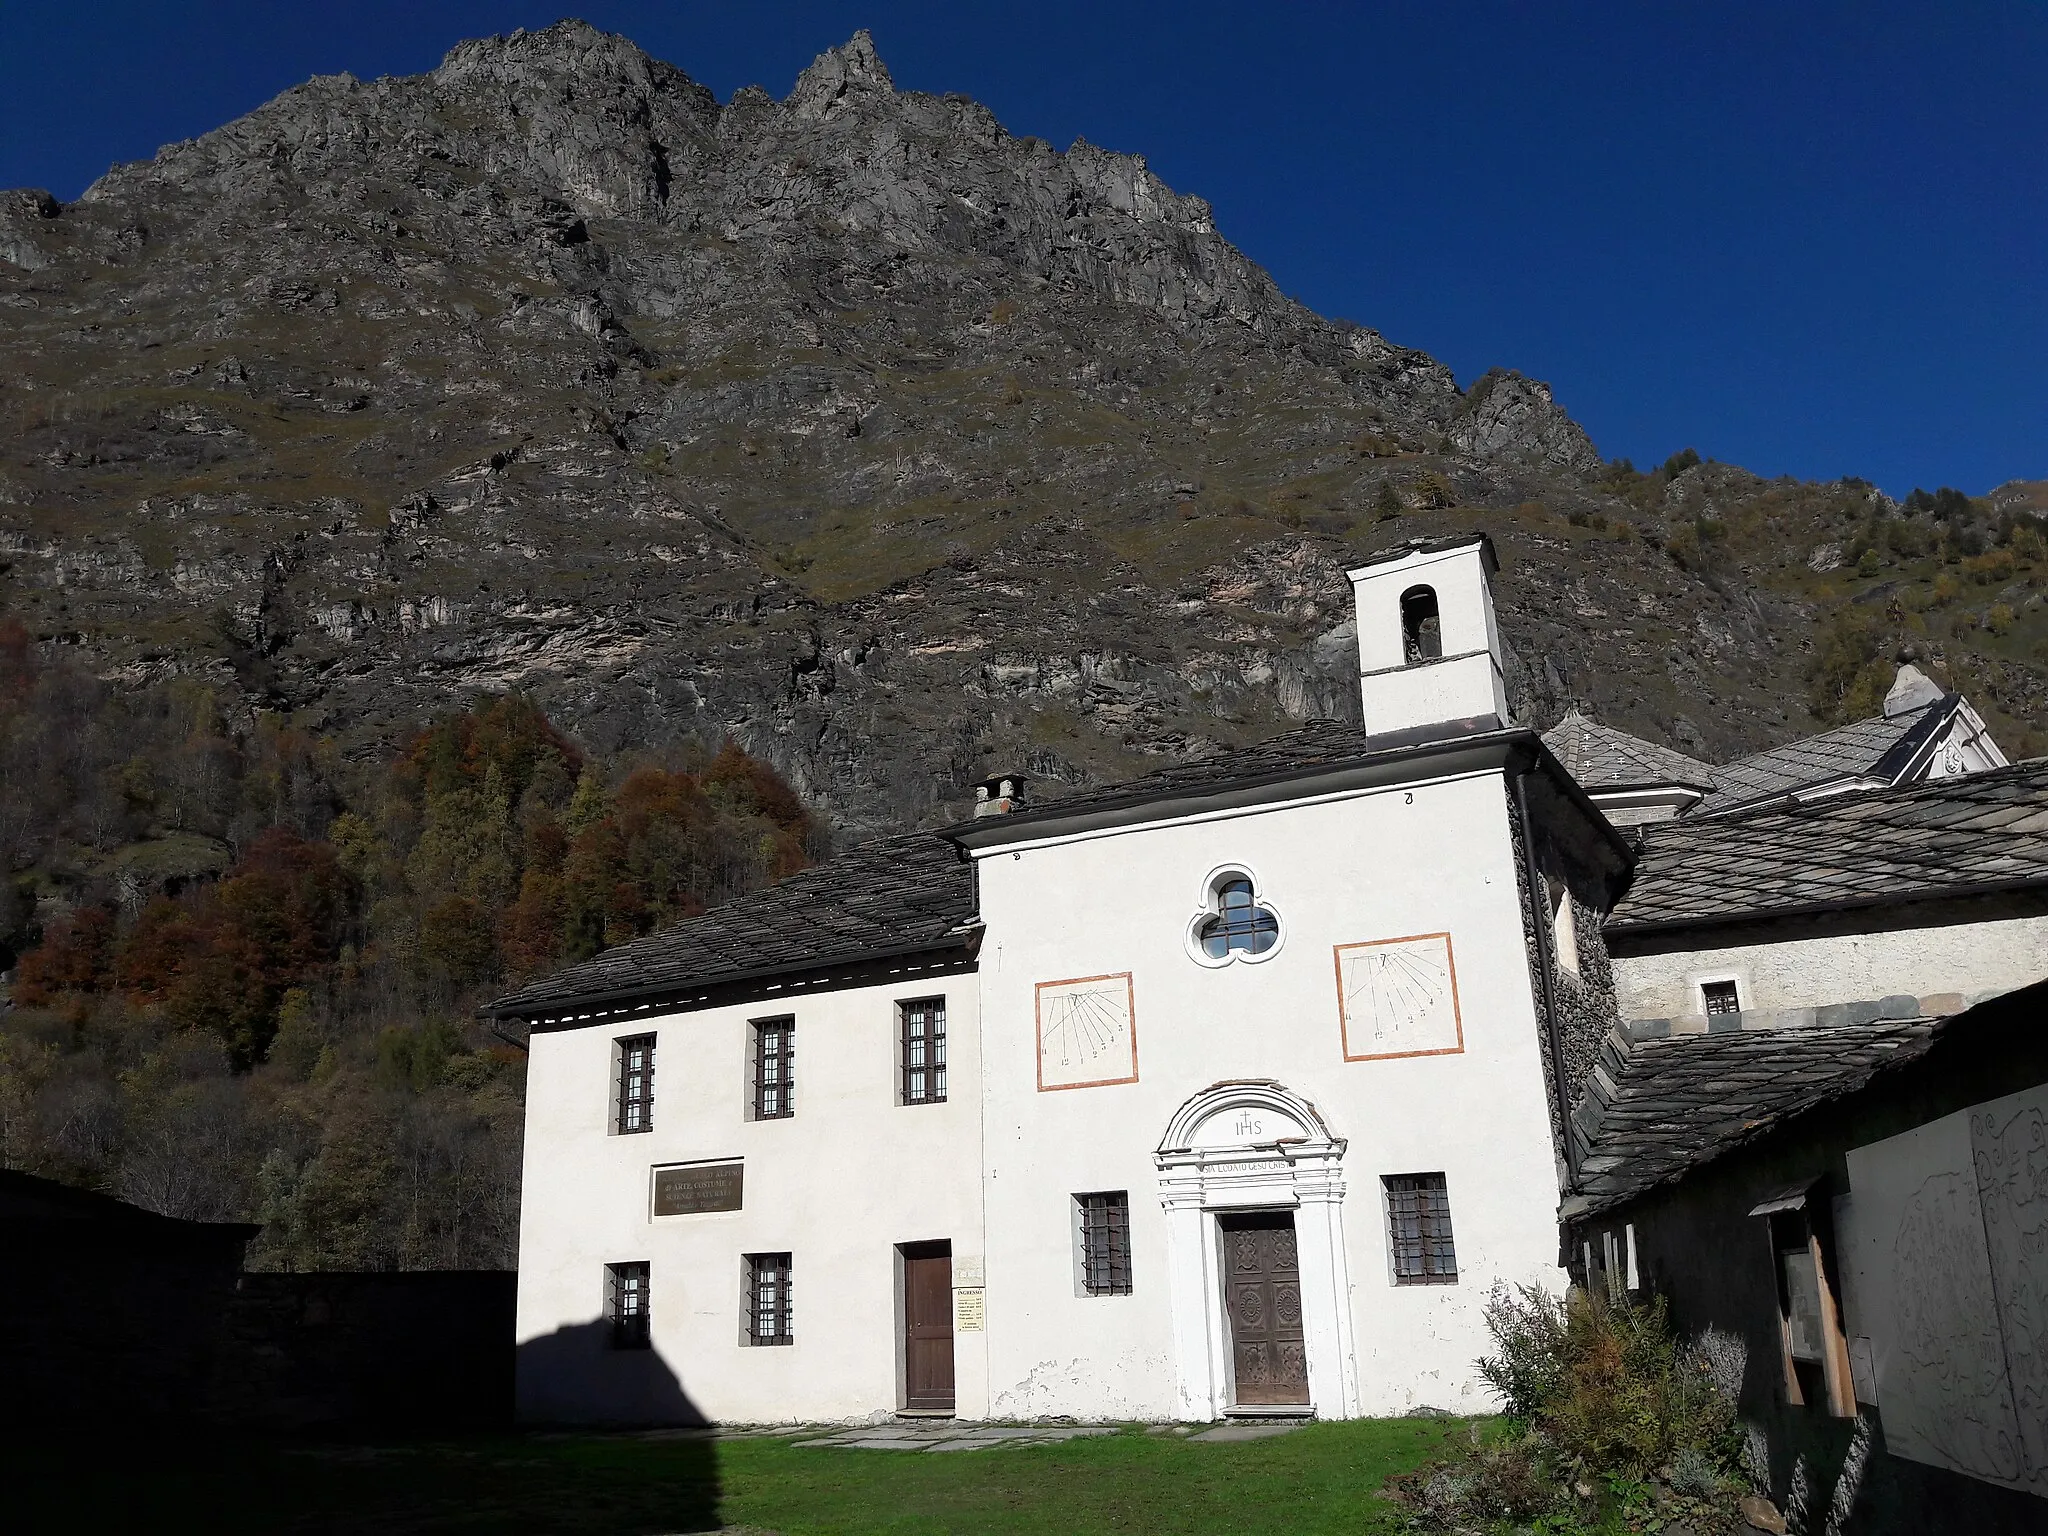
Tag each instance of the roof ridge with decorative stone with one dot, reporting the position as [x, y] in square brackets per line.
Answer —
[1875, 748]
[1961, 836]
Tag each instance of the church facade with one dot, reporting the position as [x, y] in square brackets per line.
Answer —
[1233, 1090]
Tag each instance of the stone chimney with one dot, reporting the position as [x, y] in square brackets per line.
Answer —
[999, 796]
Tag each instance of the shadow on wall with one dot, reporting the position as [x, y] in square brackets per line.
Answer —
[575, 1376]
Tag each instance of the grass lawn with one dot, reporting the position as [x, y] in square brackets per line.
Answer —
[1321, 1478]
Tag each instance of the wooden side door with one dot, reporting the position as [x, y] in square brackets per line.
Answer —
[1262, 1309]
[928, 1326]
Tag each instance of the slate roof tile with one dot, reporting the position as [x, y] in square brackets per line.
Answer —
[1661, 1107]
[1600, 757]
[1913, 842]
[893, 896]
[1850, 751]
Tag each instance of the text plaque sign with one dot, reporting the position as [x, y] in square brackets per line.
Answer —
[969, 1309]
[688, 1188]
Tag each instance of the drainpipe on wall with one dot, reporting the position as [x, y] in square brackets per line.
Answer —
[1546, 943]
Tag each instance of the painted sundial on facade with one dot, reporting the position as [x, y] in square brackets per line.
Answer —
[1399, 997]
[1087, 1032]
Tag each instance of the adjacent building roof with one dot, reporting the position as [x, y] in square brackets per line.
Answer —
[899, 895]
[1877, 748]
[1600, 757]
[1964, 835]
[1655, 1108]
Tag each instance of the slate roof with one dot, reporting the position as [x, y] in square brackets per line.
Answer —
[1655, 1108]
[1318, 744]
[1600, 757]
[898, 895]
[1937, 837]
[1876, 748]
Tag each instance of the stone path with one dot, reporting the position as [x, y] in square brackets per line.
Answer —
[950, 1435]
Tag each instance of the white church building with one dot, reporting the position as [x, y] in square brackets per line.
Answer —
[1233, 1090]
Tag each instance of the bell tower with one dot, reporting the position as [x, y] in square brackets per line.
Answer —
[1428, 647]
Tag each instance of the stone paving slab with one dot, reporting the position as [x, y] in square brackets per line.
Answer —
[953, 1437]
[1228, 1432]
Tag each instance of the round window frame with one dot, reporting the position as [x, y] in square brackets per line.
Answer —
[1209, 905]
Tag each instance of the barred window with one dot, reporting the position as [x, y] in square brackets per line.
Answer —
[924, 1050]
[770, 1317]
[636, 1084]
[1105, 1221]
[1720, 997]
[774, 1069]
[626, 1304]
[1419, 1219]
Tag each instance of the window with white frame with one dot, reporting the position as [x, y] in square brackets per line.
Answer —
[1235, 922]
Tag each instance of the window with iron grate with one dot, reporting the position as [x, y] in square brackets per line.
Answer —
[1105, 1222]
[923, 1050]
[1419, 1225]
[626, 1304]
[774, 1068]
[636, 1084]
[1720, 997]
[771, 1317]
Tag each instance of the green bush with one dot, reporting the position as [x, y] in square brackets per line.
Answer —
[1610, 1419]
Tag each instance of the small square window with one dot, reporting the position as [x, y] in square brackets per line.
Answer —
[1720, 997]
[626, 1305]
[1105, 1229]
[770, 1316]
[636, 1084]
[1419, 1224]
[923, 1048]
[774, 1069]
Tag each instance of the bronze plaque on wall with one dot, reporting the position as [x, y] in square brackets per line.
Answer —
[694, 1187]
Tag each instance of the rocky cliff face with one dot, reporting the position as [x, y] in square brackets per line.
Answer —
[849, 423]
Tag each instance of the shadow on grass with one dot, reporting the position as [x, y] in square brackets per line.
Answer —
[147, 1476]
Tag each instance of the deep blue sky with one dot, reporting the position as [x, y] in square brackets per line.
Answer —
[1806, 238]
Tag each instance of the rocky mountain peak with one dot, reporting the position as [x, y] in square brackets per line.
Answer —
[851, 425]
[851, 70]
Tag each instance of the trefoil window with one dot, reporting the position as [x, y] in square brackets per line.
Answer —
[774, 1069]
[770, 1314]
[1234, 922]
[1105, 1228]
[923, 1050]
[636, 1085]
[626, 1305]
[1419, 1225]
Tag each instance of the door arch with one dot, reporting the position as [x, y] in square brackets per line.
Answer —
[1241, 1146]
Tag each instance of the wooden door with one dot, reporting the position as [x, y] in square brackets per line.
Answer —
[1262, 1308]
[928, 1326]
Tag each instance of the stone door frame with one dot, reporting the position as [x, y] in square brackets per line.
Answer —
[1245, 1146]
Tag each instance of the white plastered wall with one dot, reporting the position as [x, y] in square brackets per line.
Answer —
[852, 1174]
[1415, 859]
[1970, 960]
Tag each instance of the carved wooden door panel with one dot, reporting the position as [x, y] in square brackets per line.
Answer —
[1262, 1302]
[928, 1326]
